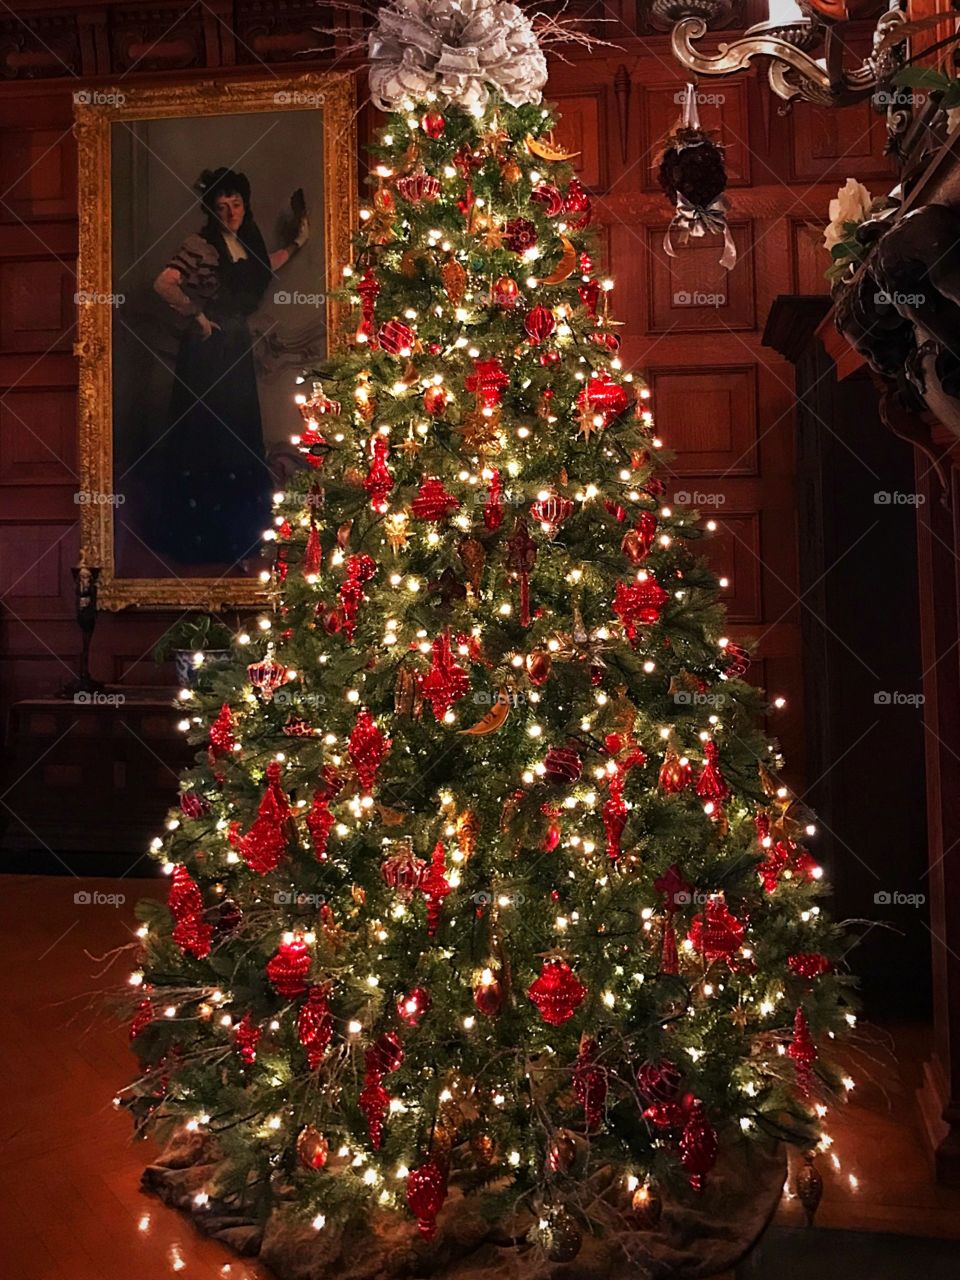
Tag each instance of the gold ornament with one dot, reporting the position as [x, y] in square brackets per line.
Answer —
[454, 279]
[493, 720]
[565, 267]
[484, 1149]
[512, 173]
[809, 1187]
[546, 149]
[479, 432]
[395, 527]
[359, 894]
[312, 1148]
[407, 700]
[474, 558]
[561, 1238]
[467, 831]
[647, 1206]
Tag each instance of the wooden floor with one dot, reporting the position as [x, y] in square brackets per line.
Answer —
[70, 1205]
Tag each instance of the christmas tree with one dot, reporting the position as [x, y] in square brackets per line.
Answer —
[484, 876]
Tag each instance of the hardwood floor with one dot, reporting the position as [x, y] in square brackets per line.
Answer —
[70, 1204]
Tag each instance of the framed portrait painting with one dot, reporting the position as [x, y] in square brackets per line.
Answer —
[215, 220]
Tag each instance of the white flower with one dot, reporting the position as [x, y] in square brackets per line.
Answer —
[456, 49]
[851, 205]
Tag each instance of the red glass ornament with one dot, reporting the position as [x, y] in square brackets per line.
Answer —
[675, 774]
[521, 556]
[418, 188]
[360, 569]
[446, 682]
[367, 748]
[433, 502]
[698, 1146]
[435, 886]
[551, 511]
[802, 1051]
[265, 843]
[379, 479]
[589, 293]
[368, 288]
[493, 507]
[590, 1083]
[577, 205]
[193, 935]
[557, 993]
[711, 784]
[737, 660]
[602, 395]
[809, 964]
[312, 1148]
[426, 1192]
[403, 871]
[192, 805]
[659, 1081]
[614, 814]
[638, 604]
[320, 823]
[550, 197]
[246, 1037]
[312, 553]
[488, 381]
[506, 291]
[433, 124]
[520, 234]
[222, 740]
[386, 1053]
[563, 766]
[374, 1102]
[396, 338]
[413, 1006]
[288, 969]
[488, 994]
[266, 677]
[315, 1025]
[435, 401]
[715, 932]
[539, 323]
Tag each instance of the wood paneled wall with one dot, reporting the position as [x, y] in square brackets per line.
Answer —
[723, 402]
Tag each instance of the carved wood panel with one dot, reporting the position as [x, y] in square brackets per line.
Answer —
[708, 417]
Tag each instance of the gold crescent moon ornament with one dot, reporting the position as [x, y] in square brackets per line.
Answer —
[546, 150]
[493, 720]
[565, 267]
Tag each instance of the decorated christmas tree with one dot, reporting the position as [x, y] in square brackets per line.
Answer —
[484, 878]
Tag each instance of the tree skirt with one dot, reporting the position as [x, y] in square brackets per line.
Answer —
[699, 1235]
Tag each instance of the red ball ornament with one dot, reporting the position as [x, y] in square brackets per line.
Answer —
[714, 932]
[603, 396]
[433, 124]
[550, 197]
[312, 1148]
[563, 766]
[413, 1006]
[551, 511]
[435, 401]
[331, 620]
[192, 805]
[433, 502]
[659, 1082]
[737, 660]
[386, 1053]
[539, 323]
[698, 1146]
[505, 291]
[577, 205]
[589, 293]
[426, 1192]
[520, 234]
[288, 969]
[557, 993]
[396, 338]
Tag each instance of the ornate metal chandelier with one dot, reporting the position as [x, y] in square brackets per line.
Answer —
[805, 42]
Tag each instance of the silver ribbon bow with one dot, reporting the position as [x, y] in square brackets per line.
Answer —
[691, 222]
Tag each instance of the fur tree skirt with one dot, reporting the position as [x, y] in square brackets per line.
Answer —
[698, 1236]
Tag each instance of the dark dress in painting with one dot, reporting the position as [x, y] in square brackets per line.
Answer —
[215, 499]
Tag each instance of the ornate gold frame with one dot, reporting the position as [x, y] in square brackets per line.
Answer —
[335, 95]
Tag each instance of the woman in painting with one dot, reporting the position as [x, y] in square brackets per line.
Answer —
[215, 502]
